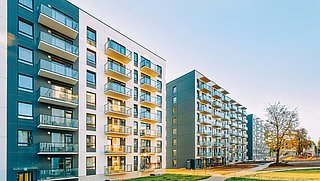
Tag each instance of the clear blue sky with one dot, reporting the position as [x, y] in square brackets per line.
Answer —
[261, 51]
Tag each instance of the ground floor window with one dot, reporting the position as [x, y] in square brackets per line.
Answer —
[24, 176]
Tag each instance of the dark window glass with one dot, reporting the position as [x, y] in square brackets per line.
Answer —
[91, 165]
[91, 143]
[135, 76]
[24, 138]
[135, 93]
[159, 69]
[91, 36]
[91, 79]
[135, 111]
[135, 128]
[91, 58]
[135, 58]
[91, 122]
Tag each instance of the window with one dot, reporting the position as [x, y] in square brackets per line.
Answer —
[24, 138]
[159, 115]
[135, 128]
[174, 152]
[135, 145]
[174, 131]
[91, 100]
[174, 110]
[25, 55]
[91, 58]
[174, 141]
[25, 28]
[135, 111]
[91, 165]
[28, 4]
[159, 130]
[159, 69]
[24, 176]
[25, 110]
[91, 143]
[91, 36]
[91, 122]
[174, 100]
[135, 58]
[135, 163]
[135, 93]
[159, 85]
[174, 89]
[174, 121]
[159, 146]
[174, 163]
[25, 83]
[135, 76]
[91, 79]
[159, 98]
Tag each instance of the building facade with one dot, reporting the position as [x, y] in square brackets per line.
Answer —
[85, 101]
[257, 148]
[205, 127]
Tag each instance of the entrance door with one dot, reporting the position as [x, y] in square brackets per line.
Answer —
[24, 176]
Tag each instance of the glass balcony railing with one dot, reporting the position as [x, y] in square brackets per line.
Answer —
[118, 48]
[147, 63]
[58, 43]
[150, 133]
[150, 116]
[49, 120]
[148, 149]
[217, 124]
[217, 114]
[116, 169]
[58, 69]
[216, 104]
[61, 18]
[217, 94]
[113, 128]
[57, 147]
[204, 109]
[205, 154]
[205, 87]
[225, 126]
[205, 143]
[151, 99]
[118, 68]
[205, 98]
[150, 82]
[58, 95]
[149, 166]
[117, 149]
[58, 173]
[112, 86]
[204, 120]
[216, 134]
[117, 109]
[217, 144]
[204, 131]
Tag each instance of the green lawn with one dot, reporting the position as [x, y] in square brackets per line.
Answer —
[172, 177]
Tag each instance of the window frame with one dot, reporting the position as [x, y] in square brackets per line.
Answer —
[25, 61]
[25, 116]
[92, 63]
[26, 34]
[29, 138]
[92, 147]
[91, 169]
[89, 104]
[91, 128]
[25, 89]
[23, 5]
[90, 41]
[89, 82]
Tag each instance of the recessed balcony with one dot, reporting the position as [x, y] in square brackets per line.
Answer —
[150, 117]
[205, 143]
[232, 116]
[225, 126]
[58, 21]
[205, 88]
[118, 52]
[216, 144]
[204, 132]
[215, 134]
[225, 108]
[216, 104]
[233, 107]
[113, 129]
[148, 167]
[149, 84]
[115, 110]
[204, 110]
[117, 91]
[225, 99]
[58, 174]
[216, 94]
[117, 169]
[57, 148]
[204, 154]
[57, 71]
[205, 99]
[216, 124]
[233, 124]
[225, 117]
[117, 149]
[150, 101]
[57, 46]
[57, 97]
[57, 123]
[147, 133]
[217, 114]
[204, 121]
[148, 150]
[149, 68]
[117, 71]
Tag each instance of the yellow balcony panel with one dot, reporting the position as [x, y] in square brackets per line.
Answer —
[149, 68]
[149, 85]
[117, 72]
[150, 101]
[115, 110]
[113, 129]
[117, 91]
[118, 52]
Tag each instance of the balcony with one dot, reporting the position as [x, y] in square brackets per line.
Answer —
[57, 97]
[205, 143]
[149, 68]
[217, 124]
[216, 144]
[113, 129]
[233, 107]
[204, 121]
[215, 134]
[57, 148]
[148, 150]
[225, 99]
[115, 110]
[58, 174]
[205, 88]
[204, 110]
[233, 116]
[205, 99]
[225, 126]
[149, 84]
[204, 154]
[204, 132]
[217, 114]
[58, 21]
[57, 71]
[217, 154]
[57, 123]
[146, 167]
[216, 104]
[117, 72]
[147, 133]
[150, 117]
[117, 149]
[233, 124]
[216, 94]
[244, 128]
[57, 46]
[150, 101]
[117, 169]
[118, 52]
[117, 91]
[245, 121]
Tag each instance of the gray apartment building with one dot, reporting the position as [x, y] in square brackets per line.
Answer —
[205, 127]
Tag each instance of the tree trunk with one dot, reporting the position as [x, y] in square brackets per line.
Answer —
[277, 156]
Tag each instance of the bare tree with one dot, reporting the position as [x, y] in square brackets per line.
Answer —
[280, 123]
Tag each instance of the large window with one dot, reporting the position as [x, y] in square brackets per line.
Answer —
[135, 76]
[91, 36]
[174, 89]
[25, 110]
[91, 100]
[91, 58]
[159, 115]
[28, 4]
[159, 69]
[91, 79]
[135, 111]
[24, 138]
[91, 143]
[25, 55]
[174, 131]
[135, 145]
[135, 128]
[135, 93]
[25, 83]
[159, 85]
[135, 59]
[159, 98]
[91, 165]
[25, 28]
[174, 100]
[91, 122]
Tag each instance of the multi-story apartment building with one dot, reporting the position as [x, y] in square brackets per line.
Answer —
[257, 148]
[79, 100]
[205, 127]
